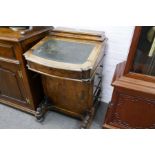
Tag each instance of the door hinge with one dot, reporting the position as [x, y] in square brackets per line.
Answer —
[20, 74]
[28, 101]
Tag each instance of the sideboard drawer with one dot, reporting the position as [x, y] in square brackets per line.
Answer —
[7, 51]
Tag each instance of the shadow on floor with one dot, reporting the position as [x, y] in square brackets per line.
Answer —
[14, 119]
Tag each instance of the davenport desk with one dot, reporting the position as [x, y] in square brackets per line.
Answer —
[70, 64]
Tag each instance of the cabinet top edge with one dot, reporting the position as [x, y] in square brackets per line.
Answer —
[7, 34]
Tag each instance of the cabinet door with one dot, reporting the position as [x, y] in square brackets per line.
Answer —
[11, 83]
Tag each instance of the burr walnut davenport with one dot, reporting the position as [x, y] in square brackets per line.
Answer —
[133, 99]
[70, 64]
[19, 87]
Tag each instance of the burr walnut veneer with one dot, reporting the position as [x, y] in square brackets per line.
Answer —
[70, 64]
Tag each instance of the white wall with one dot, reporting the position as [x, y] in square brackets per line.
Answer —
[119, 39]
[116, 52]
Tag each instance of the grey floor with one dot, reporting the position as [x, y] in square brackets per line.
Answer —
[11, 118]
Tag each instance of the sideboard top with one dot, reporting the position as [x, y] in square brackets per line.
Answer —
[8, 34]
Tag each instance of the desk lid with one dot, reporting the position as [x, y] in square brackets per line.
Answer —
[64, 51]
[67, 52]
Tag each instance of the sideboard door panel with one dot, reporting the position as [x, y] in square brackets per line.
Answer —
[133, 112]
[11, 86]
[7, 50]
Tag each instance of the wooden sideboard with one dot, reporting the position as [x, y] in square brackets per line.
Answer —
[19, 87]
[133, 100]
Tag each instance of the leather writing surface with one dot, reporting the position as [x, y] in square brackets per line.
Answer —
[65, 51]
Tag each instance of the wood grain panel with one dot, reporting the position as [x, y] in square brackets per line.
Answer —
[7, 51]
[11, 84]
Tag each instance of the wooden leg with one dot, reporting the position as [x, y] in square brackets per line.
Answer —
[90, 114]
[88, 117]
[42, 109]
[87, 121]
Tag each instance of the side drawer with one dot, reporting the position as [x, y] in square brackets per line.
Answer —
[7, 50]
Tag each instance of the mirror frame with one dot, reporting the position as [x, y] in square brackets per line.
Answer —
[131, 56]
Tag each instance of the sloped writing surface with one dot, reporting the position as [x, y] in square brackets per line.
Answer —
[64, 51]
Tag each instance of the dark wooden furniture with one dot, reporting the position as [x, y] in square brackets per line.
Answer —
[133, 99]
[70, 63]
[19, 87]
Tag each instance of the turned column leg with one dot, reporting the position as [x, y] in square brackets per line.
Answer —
[42, 109]
[89, 116]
